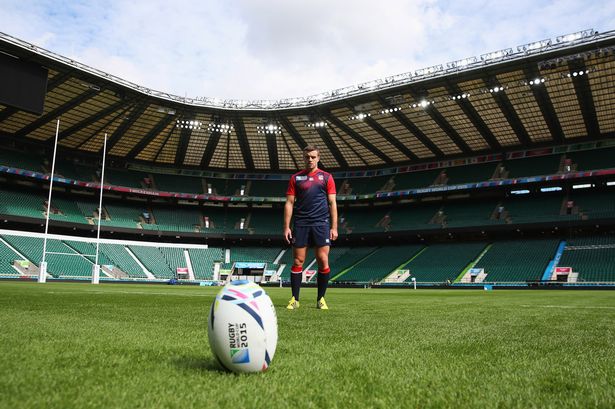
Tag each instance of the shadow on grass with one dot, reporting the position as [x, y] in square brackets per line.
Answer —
[194, 363]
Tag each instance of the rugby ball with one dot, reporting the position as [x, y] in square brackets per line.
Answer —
[243, 327]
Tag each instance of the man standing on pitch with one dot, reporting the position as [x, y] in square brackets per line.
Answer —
[311, 197]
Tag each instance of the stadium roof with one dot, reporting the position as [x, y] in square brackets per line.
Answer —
[553, 91]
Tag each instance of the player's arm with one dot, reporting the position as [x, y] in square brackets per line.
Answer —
[333, 212]
[288, 214]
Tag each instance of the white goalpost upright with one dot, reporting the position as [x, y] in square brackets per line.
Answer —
[96, 266]
[42, 272]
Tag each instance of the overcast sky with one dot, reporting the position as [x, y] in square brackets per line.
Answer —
[273, 49]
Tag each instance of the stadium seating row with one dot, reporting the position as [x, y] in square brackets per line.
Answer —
[511, 261]
[516, 168]
[265, 221]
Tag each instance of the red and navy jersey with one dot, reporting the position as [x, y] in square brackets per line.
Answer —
[310, 191]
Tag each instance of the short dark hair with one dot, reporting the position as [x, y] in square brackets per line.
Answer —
[311, 148]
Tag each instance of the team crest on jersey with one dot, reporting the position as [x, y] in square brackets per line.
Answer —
[321, 177]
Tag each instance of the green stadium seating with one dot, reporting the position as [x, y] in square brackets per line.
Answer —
[595, 205]
[268, 188]
[119, 257]
[203, 261]
[178, 183]
[593, 159]
[170, 219]
[472, 213]
[414, 180]
[127, 178]
[532, 166]
[22, 203]
[342, 258]
[57, 265]
[20, 160]
[593, 258]
[517, 260]
[470, 173]
[380, 263]
[441, 262]
[536, 209]
[153, 259]
[7, 257]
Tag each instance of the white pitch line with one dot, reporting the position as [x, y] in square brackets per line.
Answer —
[127, 292]
[571, 307]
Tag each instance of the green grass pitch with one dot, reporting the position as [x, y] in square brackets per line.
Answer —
[66, 345]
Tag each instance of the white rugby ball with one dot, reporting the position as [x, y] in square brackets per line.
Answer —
[243, 327]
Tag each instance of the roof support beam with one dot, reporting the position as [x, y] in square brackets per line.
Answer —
[437, 117]
[151, 135]
[474, 117]
[88, 121]
[584, 95]
[243, 143]
[387, 135]
[332, 147]
[182, 146]
[510, 114]
[212, 143]
[134, 114]
[546, 105]
[272, 150]
[414, 130]
[293, 132]
[357, 137]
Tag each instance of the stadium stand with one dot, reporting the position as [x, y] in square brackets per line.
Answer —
[22, 203]
[119, 257]
[380, 263]
[178, 183]
[7, 257]
[342, 258]
[153, 259]
[269, 188]
[592, 159]
[203, 261]
[532, 166]
[517, 260]
[441, 263]
[470, 173]
[592, 258]
[19, 160]
[57, 264]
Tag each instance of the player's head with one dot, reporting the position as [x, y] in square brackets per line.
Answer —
[311, 156]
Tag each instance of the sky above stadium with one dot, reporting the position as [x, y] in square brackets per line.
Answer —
[274, 49]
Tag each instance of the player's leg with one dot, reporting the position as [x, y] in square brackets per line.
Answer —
[322, 258]
[296, 271]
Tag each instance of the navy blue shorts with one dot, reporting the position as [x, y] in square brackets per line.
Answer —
[311, 236]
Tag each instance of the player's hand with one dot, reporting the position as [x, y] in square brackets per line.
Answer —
[333, 234]
[288, 235]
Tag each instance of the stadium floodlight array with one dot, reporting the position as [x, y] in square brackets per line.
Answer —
[222, 128]
[317, 124]
[508, 54]
[270, 129]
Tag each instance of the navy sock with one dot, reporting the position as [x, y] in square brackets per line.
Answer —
[323, 282]
[295, 281]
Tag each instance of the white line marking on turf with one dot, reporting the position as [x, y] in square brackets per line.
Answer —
[128, 292]
[571, 307]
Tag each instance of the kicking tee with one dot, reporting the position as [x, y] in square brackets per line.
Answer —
[310, 191]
